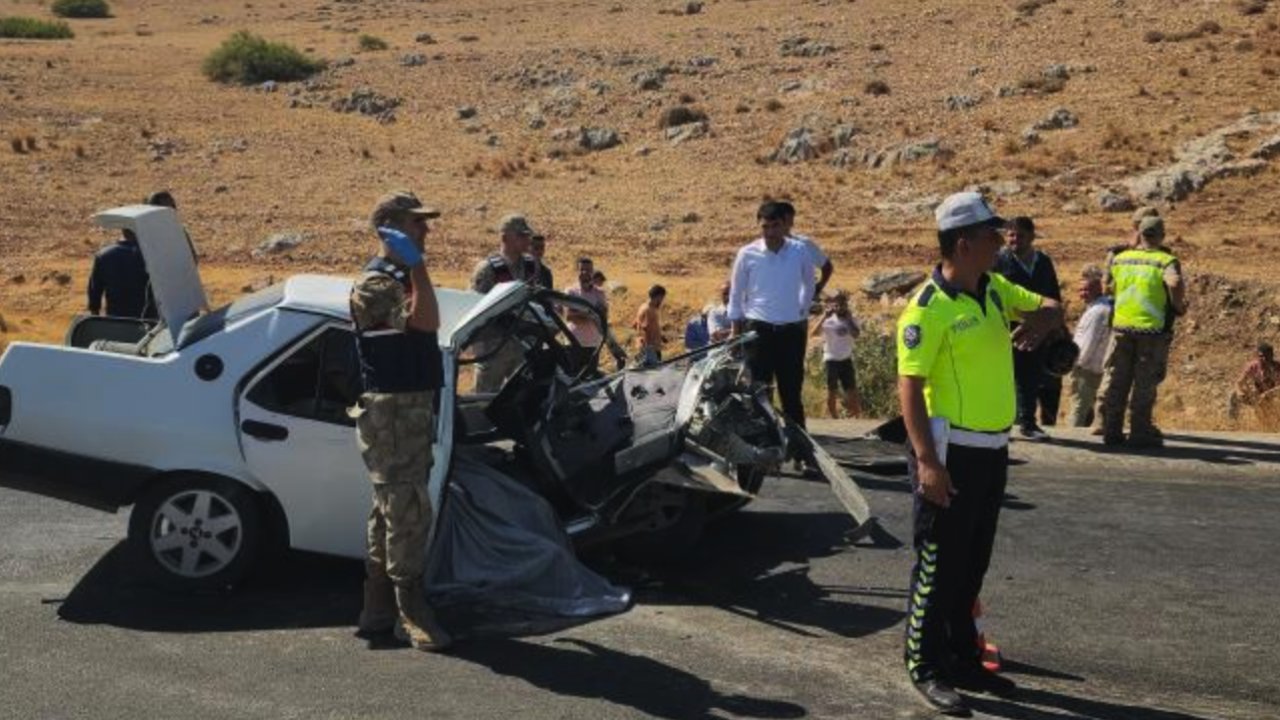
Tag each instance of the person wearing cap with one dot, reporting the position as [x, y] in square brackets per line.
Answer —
[1149, 295]
[770, 290]
[538, 250]
[396, 319]
[1134, 241]
[511, 263]
[956, 391]
[1026, 266]
[1093, 331]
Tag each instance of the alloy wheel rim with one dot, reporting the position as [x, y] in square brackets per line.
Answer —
[196, 533]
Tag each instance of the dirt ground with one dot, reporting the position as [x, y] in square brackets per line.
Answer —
[123, 109]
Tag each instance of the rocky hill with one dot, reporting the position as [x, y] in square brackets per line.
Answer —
[644, 134]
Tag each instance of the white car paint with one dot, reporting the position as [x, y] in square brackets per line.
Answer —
[155, 412]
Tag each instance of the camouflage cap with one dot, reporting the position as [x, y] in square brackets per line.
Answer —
[515, 223]
[398, 203]
[1145, 211]
[1151, 227]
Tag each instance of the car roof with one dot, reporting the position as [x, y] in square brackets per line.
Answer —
[329, 295]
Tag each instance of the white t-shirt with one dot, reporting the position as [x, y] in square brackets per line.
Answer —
[718, 319]
[837, 338]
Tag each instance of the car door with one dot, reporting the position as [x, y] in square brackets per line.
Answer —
[300, 443]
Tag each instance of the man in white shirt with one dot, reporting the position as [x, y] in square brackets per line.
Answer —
[585, 326]
[718, 325]
[771, 288]
[1093, 331]
[816, 256]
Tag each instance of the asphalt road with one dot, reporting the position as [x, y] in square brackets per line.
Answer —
[1122, 587]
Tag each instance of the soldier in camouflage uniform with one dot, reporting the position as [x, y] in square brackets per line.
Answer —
[511, 263]
[396, 317]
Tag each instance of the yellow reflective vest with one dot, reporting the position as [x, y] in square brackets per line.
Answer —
[1142, 299]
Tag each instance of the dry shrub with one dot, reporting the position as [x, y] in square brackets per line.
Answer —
[1208, 27]
[498, 168]
[80, 151]
[1041, 84]
[81, 8]
[31, 143]
[16, 144]
[773, 105]
[1029, 7]
[1115, 137]
[1251, 7]
[680, 115]
[34, 29]
[876, 87]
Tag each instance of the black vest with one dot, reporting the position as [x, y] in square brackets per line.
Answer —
[392, 361]
[502, 271]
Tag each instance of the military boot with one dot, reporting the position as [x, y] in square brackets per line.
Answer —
[379, 612]
[417, 624]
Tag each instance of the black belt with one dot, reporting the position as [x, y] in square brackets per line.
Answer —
[751, 322]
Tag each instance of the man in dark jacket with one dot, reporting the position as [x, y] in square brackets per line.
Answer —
[1023, 265]
[120, 275]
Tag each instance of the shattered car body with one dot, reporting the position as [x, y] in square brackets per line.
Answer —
[228, 433]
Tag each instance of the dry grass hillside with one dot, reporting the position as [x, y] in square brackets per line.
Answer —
[858, 111]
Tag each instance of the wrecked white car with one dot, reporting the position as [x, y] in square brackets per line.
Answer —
[227, 431]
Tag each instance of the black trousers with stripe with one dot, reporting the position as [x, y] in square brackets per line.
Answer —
[952, 553]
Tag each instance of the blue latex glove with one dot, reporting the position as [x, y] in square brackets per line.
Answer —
[400, 244]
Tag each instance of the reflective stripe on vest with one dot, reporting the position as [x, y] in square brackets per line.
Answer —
[1141, 300]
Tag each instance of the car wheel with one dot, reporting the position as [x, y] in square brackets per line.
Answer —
[196, 533]
[671, 543]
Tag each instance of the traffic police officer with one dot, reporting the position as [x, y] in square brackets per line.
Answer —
[396, 317]
[1149, 293]
[956, 389]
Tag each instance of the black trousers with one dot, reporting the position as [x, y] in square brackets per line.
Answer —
[1028, 376]
[953, 551]
[777, 357]
[1050, 399]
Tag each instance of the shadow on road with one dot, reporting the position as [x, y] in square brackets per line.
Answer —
[756, 565]
[1209, 450]
[580, 668]
[1052, 706]
[301, 590]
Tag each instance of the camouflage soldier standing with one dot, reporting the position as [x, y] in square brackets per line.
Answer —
[393, 306]
[511, 263]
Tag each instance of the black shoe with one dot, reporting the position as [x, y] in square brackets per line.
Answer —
[941, 697]
[979, 679]
[1033, 433]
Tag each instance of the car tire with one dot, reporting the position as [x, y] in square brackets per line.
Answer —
[671, 544]
[196, 533]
